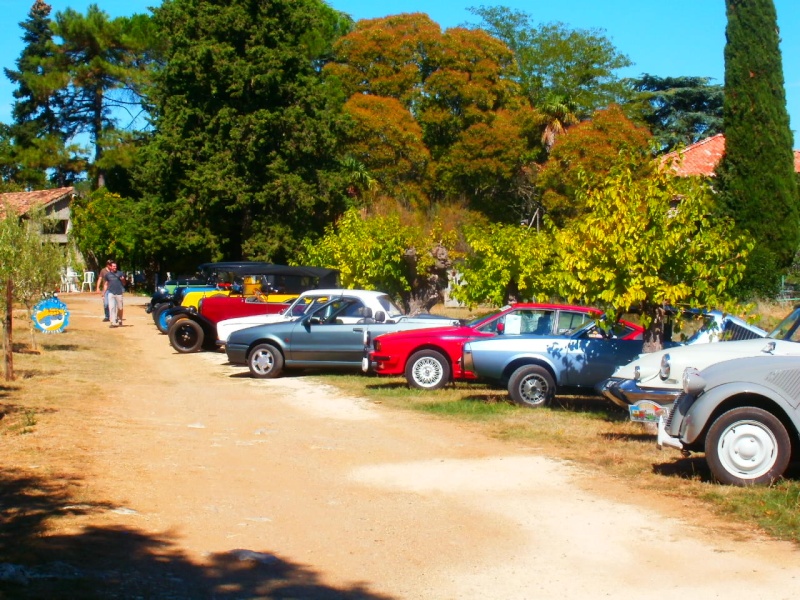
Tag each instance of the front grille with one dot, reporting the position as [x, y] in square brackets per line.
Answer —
[681, 405]
[735, 332]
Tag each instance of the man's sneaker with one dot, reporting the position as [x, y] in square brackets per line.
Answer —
[106, 320]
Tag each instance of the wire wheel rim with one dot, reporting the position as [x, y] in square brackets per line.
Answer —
[747, 449]
[427, 371]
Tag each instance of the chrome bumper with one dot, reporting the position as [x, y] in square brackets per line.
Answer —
[624, 392]
[664, 439]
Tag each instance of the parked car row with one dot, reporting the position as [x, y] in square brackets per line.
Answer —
[737, 402]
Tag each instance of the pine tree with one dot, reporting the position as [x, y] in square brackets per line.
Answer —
[106, 64]
[756, 176]
[37, 151]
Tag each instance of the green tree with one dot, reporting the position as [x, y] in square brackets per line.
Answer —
[408, 262]
[106, 224]
[29, 266]
[646, 242]
[756, 178]
[585, 154]
[246, 148]
[576, 66]
[505, 263]
[107, 66]
[39, 152]
[679, 111]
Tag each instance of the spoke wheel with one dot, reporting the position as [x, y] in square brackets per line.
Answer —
[427, 370]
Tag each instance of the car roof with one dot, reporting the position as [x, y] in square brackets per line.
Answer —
[344, 292]
[587, 309]
[246, 267]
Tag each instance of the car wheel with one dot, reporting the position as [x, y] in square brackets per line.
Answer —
[747, 446]
[186, 336]
[532, 386]
[265, 361]
[161, 319]
[427, 370]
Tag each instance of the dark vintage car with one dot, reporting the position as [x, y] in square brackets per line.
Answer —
[274, 283]
[743, 413]
[321, 338]
[209, 276]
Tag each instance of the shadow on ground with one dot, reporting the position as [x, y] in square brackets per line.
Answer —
[120, 562]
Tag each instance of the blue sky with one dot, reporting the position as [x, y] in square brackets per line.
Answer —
[677, 37]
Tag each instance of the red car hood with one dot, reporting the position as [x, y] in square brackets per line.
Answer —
[440, 332]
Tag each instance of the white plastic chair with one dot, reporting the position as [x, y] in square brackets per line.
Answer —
[64, 282]
[88, 280]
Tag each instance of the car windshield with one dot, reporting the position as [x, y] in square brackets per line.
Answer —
[389, 307]
[788, 328]
[302, 305]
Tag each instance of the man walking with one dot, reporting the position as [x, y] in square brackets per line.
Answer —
[101, 280]
[114, 287]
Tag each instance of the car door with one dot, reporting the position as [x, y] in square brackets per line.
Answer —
[324, 338]
[591, 357]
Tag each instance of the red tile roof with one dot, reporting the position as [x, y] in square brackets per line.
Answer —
[23, 202]
[701, 158]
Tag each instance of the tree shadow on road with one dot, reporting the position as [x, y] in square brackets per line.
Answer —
[40, 558]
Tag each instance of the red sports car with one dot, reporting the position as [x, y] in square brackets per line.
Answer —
[431, 358]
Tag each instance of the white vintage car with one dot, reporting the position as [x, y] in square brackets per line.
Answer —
[654, 378]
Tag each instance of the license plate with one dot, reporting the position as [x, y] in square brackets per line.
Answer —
[365, 364]
[646, 411]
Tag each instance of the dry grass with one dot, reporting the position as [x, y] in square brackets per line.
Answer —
[594, 433]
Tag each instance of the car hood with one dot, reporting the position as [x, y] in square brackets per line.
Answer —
[698, 356]
[226, 327]
[438, 332]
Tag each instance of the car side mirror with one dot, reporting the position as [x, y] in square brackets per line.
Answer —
[313, 321]
[501, 327]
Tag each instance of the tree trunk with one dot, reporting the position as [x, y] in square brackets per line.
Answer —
[8, 337]
[654, 334]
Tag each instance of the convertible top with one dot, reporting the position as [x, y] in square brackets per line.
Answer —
[325, 277]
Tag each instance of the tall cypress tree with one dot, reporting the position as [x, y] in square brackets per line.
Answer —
[756, 176]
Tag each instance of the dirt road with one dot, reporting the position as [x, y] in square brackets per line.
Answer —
[197, 481]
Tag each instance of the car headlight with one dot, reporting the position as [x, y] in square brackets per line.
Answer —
[664, 371]
[377, 345]
[693, 383]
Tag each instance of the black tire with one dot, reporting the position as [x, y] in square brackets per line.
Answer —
[160, 318]
[747, 446]
[532, 386]
[265, 361]
[186, 336]
[427, 370]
